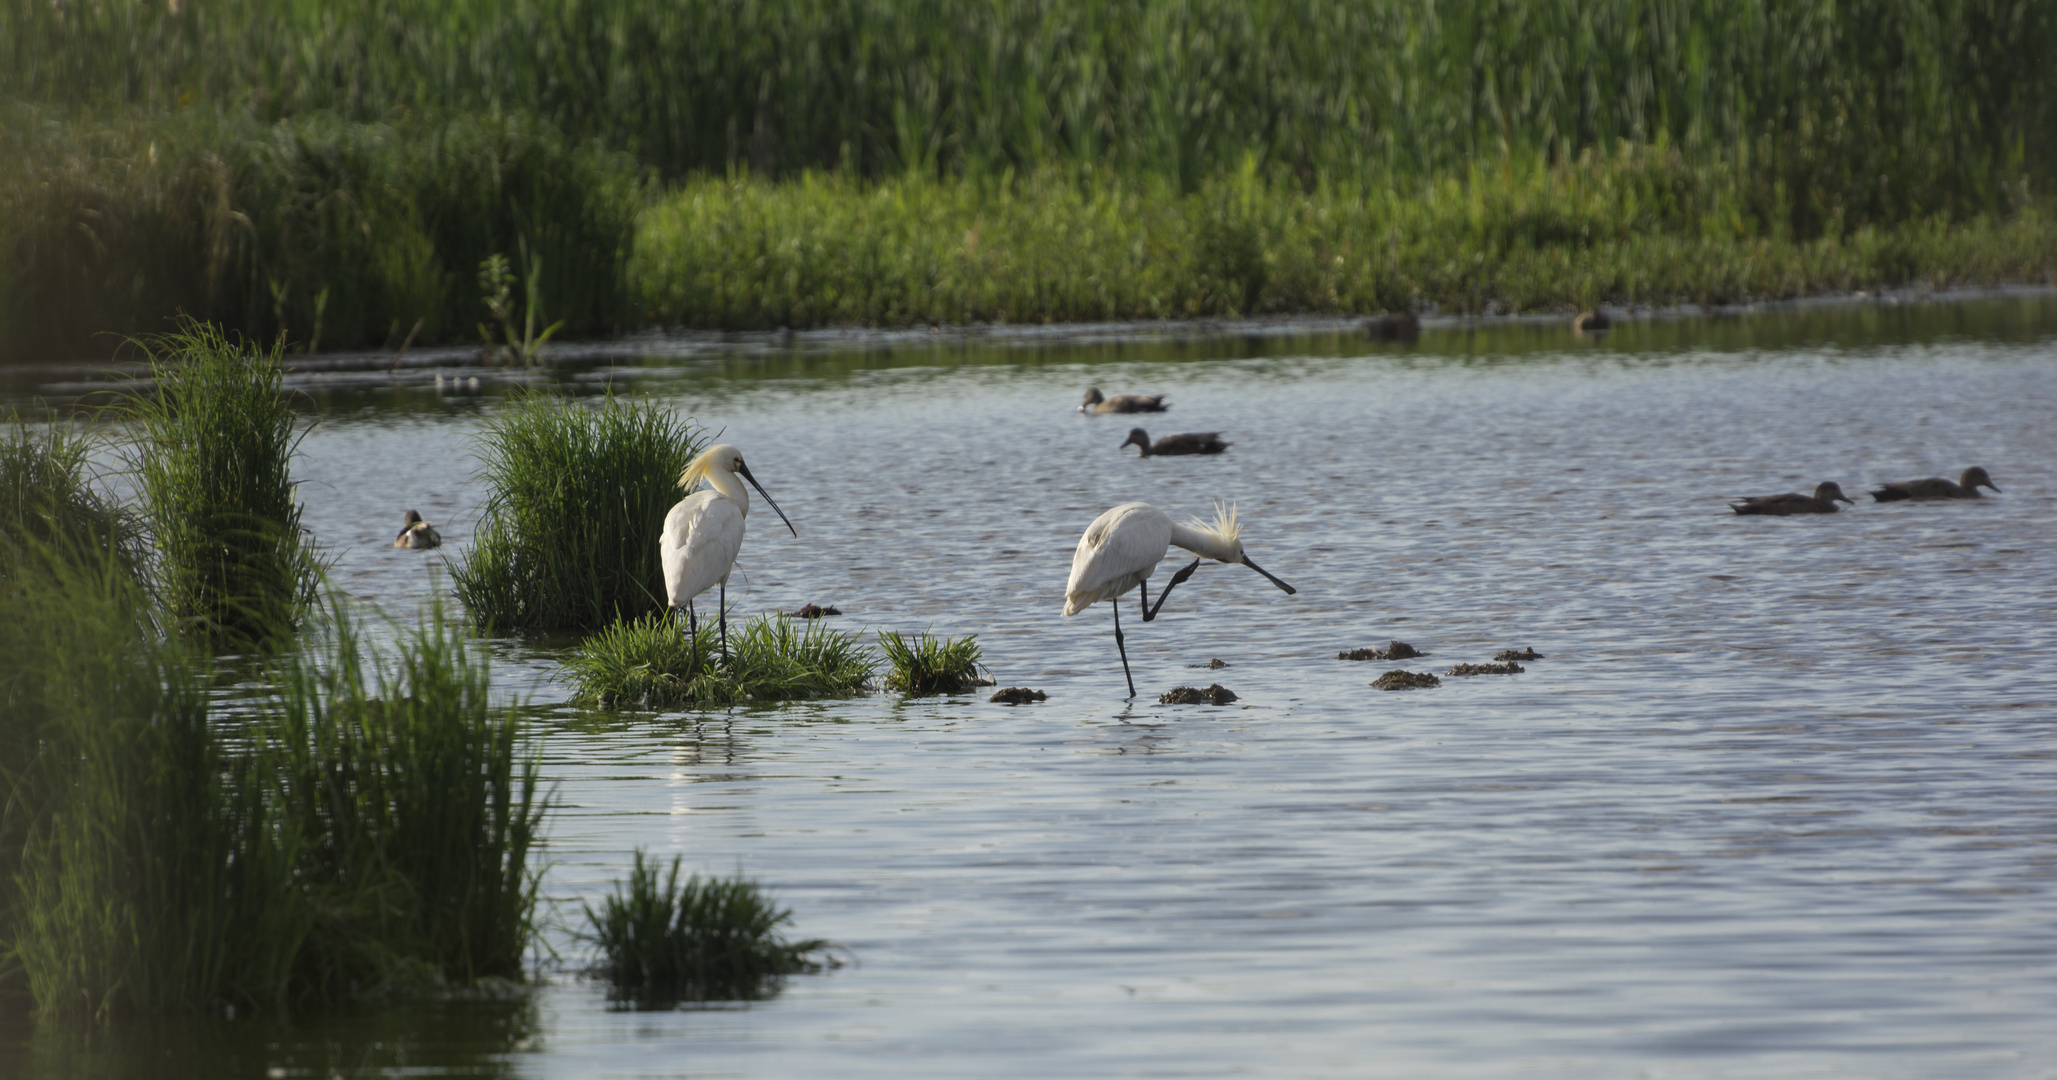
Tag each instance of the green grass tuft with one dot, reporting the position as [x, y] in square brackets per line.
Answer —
[924, 664]
[651, 662]
[579, 491]
[212, 464]
[341, 826]
[47, 499]
[708, 940]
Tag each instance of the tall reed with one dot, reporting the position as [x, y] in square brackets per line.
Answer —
[579, 491]
[47, 498]
[330, 232]
[354, 826]
[215, 439]
[1859, 110]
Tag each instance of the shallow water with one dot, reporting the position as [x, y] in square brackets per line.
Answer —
[1775, 804]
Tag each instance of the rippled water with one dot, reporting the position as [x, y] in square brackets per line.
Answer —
[1777, 803]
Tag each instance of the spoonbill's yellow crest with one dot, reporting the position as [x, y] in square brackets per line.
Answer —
[703, 533]
[1124, 545]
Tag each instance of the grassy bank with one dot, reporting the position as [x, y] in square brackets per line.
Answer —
[1642, 227]
[1886, 109]
[335, 234]
[339, 172]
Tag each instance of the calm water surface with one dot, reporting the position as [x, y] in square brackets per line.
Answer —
[1778, 802]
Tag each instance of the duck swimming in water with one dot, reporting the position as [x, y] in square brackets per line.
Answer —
[1966, 487]
[1823, 501]
[418, 533]
[1120, 403]
[1191, 442]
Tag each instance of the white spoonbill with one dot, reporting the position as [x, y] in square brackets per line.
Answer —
[1124, 545]
[705, 530]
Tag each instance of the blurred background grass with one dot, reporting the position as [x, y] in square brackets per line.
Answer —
[288, 165]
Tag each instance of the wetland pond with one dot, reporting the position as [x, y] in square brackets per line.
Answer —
[1777, 801]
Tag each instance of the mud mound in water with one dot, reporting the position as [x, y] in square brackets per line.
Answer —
[1487, 669]
[1398, 650]
[1405, 680]
[1193, 695]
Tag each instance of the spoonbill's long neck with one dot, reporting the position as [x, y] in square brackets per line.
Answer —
[1203, 543]
[725, 482]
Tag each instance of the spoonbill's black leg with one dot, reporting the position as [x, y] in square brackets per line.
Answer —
[724, 622]
[1121, 648]
[1149, 612]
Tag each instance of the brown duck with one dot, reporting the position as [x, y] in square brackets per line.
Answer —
[418, 533]
[1119, 403]
[1823, 501]
[1966, 487]
[1190, 442]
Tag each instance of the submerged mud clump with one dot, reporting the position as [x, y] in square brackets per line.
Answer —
[814, 611]
[1517, 654]
[1019, 695]
[1216, 694]
[1488, 669]
[1405, 680]
[1398, 650]
[1215, 664]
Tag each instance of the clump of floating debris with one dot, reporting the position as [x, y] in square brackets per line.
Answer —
[815, 611]
[1398, 650]
[1517, 654]
[1215, 664]
[1019, 695]
[1193, 695]
[1405, 680]
[1488, 669]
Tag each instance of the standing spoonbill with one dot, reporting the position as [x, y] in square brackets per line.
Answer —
[705, 530]
[1124, 545]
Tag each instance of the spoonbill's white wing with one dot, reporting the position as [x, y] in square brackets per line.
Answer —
[702, 535]
[1118, 551]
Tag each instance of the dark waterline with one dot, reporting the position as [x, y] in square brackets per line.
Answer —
[1774, 804]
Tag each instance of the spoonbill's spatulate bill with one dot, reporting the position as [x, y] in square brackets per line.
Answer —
[1123, 546]
[703, 533]
[1823, 501]
[1966, 487]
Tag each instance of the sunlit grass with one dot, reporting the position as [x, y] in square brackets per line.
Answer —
[712, 939]
[578, 495]
[651, 662]
[925, 664]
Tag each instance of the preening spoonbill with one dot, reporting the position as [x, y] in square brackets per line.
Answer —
[705, 530]
[1189, 442]
[416, 533]
[1966, 487]
[1593, 321]
[1121, 548]
[1095, 403]
[1823, 501]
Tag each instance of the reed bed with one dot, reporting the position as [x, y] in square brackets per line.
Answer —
[716, 939]
[331, 233]
[652, 662]
[212, 462]
[362, 828]
[1635, 227]
[924, 664]
[1877, 109]
[579, 491]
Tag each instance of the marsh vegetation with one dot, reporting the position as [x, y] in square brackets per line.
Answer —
[339, 173]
